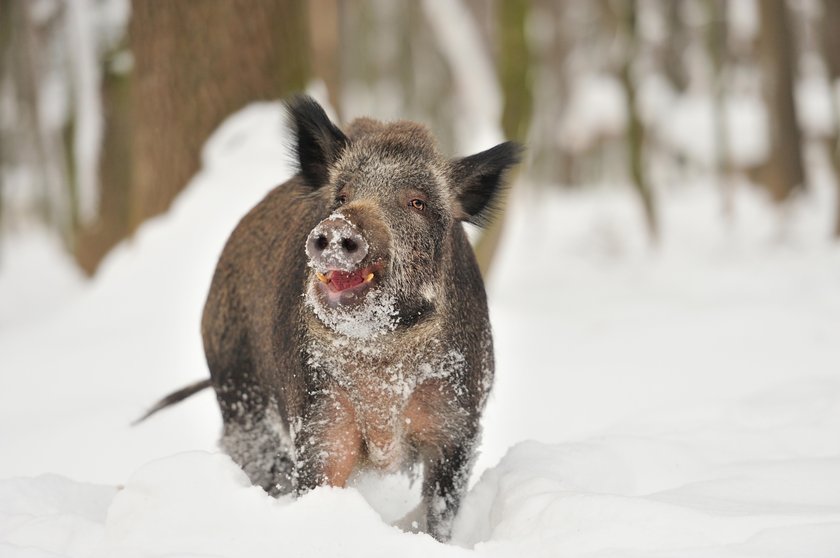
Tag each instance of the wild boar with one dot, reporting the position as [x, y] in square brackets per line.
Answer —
[346, 326]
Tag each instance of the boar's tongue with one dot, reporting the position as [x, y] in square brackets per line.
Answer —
[341, 280]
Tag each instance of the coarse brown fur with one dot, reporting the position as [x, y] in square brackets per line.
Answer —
[312, 390]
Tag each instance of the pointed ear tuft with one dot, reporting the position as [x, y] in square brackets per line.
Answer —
[479, 178]
[318, 142]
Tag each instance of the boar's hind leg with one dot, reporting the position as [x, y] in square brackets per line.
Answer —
[263, 450]
[444, 484]
[254, 435]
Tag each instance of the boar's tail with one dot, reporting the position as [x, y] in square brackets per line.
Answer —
[175, 397]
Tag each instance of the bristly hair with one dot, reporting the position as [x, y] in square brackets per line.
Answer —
[317, 141]
[480, 179]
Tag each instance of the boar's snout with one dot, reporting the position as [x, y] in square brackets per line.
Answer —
[336, 244]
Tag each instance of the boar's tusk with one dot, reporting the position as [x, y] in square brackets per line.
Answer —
[369, 278]
[322, 278]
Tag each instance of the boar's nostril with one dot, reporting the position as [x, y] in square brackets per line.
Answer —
[349, 245]
[321, 242]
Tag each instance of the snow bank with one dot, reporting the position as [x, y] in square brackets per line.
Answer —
[198, 503]
[194, 504]
[104, 355]
[678, 402]
[736, 483]
[37, 276]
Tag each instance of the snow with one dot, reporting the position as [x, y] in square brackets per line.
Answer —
[374, 316]
[689, 128]
[597, 109]
[23, 262]
[683, 401]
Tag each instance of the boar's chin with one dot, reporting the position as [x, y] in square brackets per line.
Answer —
[357, 313]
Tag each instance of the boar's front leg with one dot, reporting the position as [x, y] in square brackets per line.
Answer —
[328, 445]
[444, 484]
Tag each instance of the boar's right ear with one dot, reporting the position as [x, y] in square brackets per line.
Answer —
[479, 178]
[318, 142]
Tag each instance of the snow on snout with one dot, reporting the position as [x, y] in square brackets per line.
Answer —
[336, 229]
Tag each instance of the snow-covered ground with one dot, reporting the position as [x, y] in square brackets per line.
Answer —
[683, 401]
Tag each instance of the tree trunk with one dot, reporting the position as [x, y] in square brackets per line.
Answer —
[194, 64]
[716, 41]
[831, 46]
[36, 143]
[551, 95]
[186, 81]
[785, 172]
[635, 126]
[325, 34]
[112, 223]
[673, 60]
[515, 76]
[5, 54]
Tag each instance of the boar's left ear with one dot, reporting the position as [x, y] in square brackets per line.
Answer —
[477, 180]
[318, 142]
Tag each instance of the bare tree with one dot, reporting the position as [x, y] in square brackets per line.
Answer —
[673, 61]
[784, 172]
[635, 126]
[515, 76]
[30, 140]
[831, 46]
[5, 42]
[325, 39]
[113, 220]
[716, 40]
[548, 159]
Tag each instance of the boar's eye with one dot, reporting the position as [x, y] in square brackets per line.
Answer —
[341, 199]
[417, 204]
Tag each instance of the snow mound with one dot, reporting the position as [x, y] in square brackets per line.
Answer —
[201, 504]
[51, 516]
[107, 349]
[41, 275]
[194, 504]
[730, 485]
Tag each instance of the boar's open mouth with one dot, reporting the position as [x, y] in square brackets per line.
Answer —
[338, 281]
[339, 287]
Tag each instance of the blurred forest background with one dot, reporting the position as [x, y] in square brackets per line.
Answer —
[105, 104]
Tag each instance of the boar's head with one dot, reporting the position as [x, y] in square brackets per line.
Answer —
[383, 254]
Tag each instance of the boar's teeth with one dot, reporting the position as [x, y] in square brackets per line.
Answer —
[369, 278]
[322, 278]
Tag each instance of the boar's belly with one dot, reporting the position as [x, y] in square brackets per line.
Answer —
[399, 430]
[392, 431]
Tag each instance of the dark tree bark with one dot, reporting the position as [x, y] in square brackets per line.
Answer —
[115, 179]
[515, 70]
[5, 54]
[547, 156]
[635, 126]
[515, 77]
[673, 62]
[717, 43]
[325, 34]
[831, 46]
[784, 172]
[31, 143]
[194, 64]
